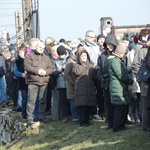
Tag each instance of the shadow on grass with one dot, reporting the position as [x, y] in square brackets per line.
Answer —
[56, 136]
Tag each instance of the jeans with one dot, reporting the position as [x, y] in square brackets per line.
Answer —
[33, 92]
[3, 89]
[73, 110]
[36, 109]
[24, 103]
[19, 103]
[56, 109]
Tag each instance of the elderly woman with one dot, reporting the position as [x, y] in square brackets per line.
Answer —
[84, 86]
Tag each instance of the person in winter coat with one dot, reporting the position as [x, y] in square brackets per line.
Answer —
[3, 93]
[145, 114]
[100, 96]
[134, 89]
[85, 97]
[148, 66]
[39, 68]
[22, 77]
[110, 45]
[71, 85]
[58, 72]
[118, 86]
[93, 50]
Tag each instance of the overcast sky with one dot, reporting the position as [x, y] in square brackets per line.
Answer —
[70, 19]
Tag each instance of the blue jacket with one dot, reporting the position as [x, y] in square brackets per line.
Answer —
[2, 66]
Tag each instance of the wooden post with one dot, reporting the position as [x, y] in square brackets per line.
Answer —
[27, 22]
[18, 28]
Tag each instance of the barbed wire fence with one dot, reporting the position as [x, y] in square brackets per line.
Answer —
[7, 16]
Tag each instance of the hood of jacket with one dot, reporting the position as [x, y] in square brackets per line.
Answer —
[78, 54]
[110, 39]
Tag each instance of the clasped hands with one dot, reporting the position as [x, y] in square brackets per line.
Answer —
[42, 72]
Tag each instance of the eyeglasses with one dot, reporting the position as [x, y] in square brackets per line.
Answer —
[91, 36]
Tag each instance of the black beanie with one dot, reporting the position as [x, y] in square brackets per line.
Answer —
[100, 36]
[62, 40]
[61, 50]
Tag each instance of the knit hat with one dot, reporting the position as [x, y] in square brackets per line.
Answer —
[62, 40]
[11, 47]
[61, 50]
[100, 36]
[125, 37]
[51, 38]
[122, 48]
[3, 42]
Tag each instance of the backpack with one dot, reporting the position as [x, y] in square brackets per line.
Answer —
[143, 73]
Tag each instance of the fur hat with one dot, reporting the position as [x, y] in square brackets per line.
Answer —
[122, 48]
[3, 42]
[61, 50]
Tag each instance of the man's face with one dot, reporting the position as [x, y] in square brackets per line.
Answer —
[90, 37]
[21, 54]
[110, 47]
[5, 47]
[40, 47]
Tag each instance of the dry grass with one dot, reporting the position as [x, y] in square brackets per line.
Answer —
[56, 135]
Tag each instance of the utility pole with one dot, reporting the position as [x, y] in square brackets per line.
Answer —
[27, 19]
[35, 18]
[18, 28]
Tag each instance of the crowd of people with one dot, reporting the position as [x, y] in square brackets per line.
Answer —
[91, 78]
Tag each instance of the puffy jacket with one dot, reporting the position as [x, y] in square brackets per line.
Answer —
[84, 83]
[119, 81]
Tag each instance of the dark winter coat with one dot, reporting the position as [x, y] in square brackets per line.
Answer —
[148, 67]
[60, 77]
[84, 83]
[2, 66]
[68, 75]
[35, 61]
[20, 67]
[119, 81]
[102, 71]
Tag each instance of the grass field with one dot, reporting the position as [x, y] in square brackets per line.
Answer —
[56, 135]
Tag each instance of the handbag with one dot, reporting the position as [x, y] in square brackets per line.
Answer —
[143, 73]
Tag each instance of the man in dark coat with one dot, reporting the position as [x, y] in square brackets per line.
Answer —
[38, 67]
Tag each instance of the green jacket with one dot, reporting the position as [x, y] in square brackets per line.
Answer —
[119, 81]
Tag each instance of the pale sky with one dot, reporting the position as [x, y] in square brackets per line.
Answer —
[70, 19]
